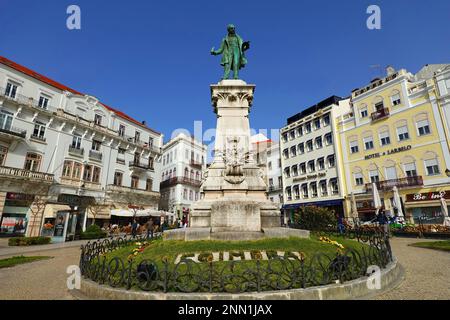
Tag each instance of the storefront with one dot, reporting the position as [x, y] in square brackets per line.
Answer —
[15, 215]
[426, 207]
[288, 210]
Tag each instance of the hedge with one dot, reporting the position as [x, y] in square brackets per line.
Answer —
[93, 232]
[28, 241]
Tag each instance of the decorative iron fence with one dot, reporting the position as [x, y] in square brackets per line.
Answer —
[277, 273]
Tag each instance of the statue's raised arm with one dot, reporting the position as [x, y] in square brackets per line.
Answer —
[233, 50]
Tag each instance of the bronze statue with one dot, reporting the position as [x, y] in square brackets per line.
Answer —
[233, 53]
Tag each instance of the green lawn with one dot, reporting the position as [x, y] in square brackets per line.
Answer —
[437, 245]
[11, 262]
[171, 249]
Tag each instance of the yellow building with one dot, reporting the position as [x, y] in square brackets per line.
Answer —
[394, 136]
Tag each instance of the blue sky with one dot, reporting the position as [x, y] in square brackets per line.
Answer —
[151, 58]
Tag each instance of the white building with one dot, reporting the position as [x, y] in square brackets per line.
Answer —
[72, 150]
[183, 163]
[309, 159]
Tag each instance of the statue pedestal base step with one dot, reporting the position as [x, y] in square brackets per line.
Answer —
[194, 234]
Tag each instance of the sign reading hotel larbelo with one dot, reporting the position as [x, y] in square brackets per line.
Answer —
[429, 196]
[386, 153]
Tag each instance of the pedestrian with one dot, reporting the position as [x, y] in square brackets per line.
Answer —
[383, 222]
[340, 223]
[134, 228]
[150, 228]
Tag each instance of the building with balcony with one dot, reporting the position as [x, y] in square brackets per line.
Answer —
[69, 149]
[394, 135]
[183, 164]
[267, 156]
[310, 153]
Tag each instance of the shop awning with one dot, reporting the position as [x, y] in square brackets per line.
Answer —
[51, 210]
[139, 213]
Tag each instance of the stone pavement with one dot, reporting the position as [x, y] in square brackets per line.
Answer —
[427, 274]
[7, 251]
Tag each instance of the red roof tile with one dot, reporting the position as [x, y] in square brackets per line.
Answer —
[62, 87]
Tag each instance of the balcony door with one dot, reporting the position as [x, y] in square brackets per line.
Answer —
[6, 119]
[391, 173]
[136, 158]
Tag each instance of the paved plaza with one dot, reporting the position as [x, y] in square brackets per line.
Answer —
[427, 275]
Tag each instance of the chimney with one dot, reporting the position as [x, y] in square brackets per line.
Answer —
[144, 122]
[390, 70]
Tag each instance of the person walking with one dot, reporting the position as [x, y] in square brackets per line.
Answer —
[149, 227]
[134, 228]
[383, 222]
[340, 223]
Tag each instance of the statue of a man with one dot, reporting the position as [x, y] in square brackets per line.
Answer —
[233, 53]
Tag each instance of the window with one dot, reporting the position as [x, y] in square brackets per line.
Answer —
[151, 162]
[326, 120]
[354, 147]
[294, 171]
[323, 188]
[321, 163]
[39, 130]
[291, 135]
[309, 145]
[319, 144]
[379, 106]
[293, 151]
[96, 175]
[87, 173]
[6, 119]
[384, 138]
[334, 186]
[67, 169]
[287, 172]
[300, 131]
[395, 99]
[313, 189]
[305, 190]
[302, 168]
[432, 167]
[137, 137]
[76, 142]
[311, 166]
[3, 153]
[280, 181]
[134, 182]
[328, 139]
[391, 173]
[150, 142]
[77, 168]
[98, 119]
[33, 162]
[285, 137]
[359, 180]
[289, 193]
[308, 127]
[43, 102]
[363, 112]
[374, 177]
[96, 145]
[317, 124]
[368, 143]
[286, 153]
[402, 133]
[301, 148]
[269, 165]
[331, 161]
[423, 127]
[11, 90]
[121, 130]
[410, 169]
[149, 185]
[118, 178]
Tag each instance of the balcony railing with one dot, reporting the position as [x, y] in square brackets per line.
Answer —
[22, 173]
[95, 155]
[76, 151]
[273, 188]
[14, 131]
[196, 164]
[387, 185]
[380, 114]
[139, 165]
[180, 180]
[120, 189]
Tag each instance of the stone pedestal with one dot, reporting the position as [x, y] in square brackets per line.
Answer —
[234, 202]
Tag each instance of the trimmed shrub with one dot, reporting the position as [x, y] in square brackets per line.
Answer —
[93, 232]
[315, 218]
[28, 241]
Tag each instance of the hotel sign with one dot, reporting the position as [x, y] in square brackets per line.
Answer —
[313, 176]
[429, 196]
[389, 152]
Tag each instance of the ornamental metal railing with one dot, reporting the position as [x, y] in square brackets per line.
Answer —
[235, 276]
